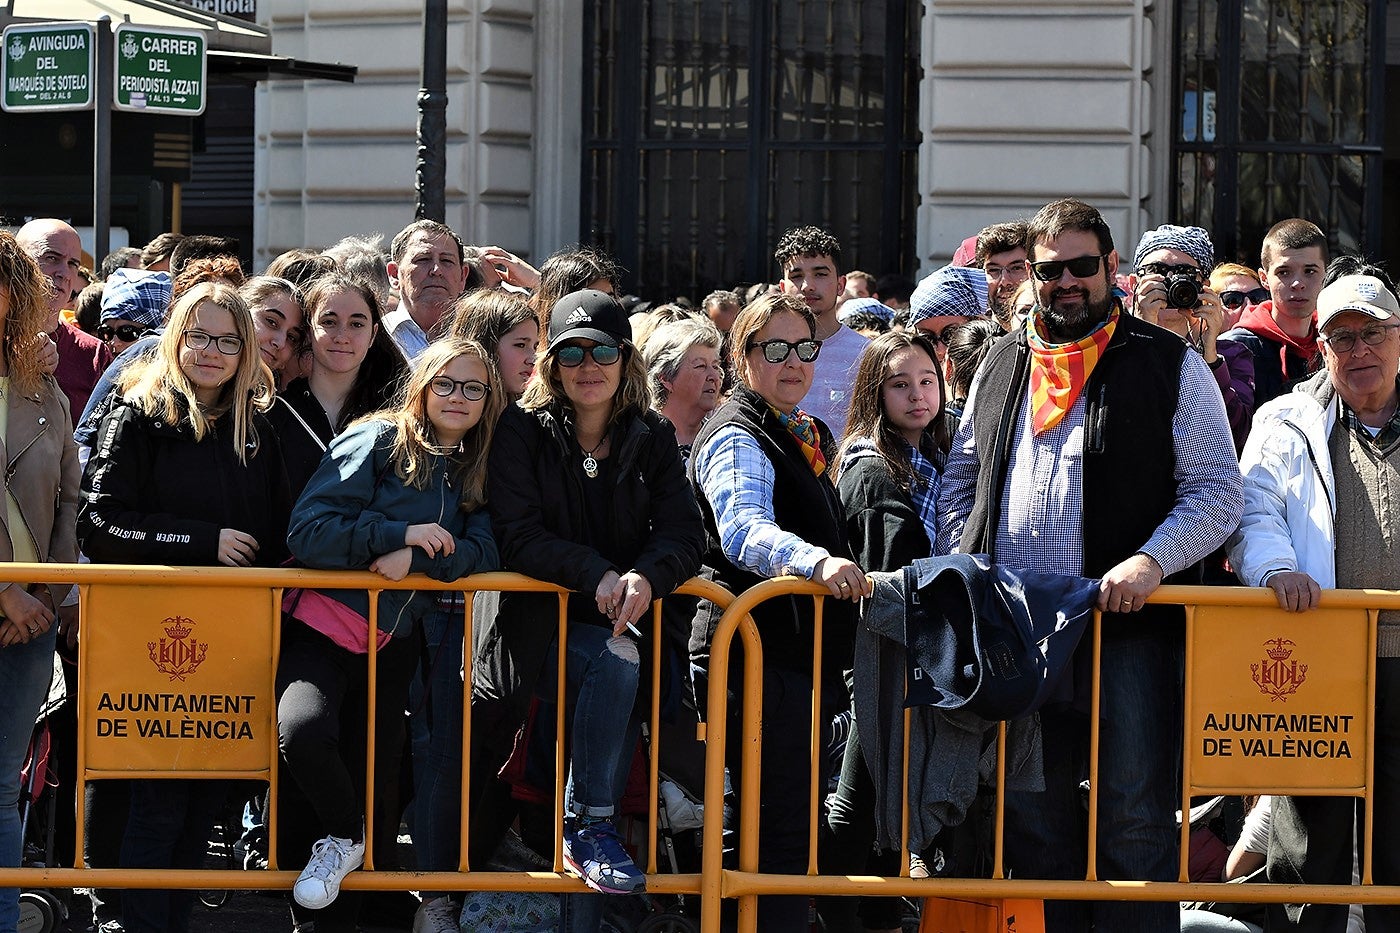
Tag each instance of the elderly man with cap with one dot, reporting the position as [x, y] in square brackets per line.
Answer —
[1170, 289]
[1322, 511]
[133, 303]
[952, 295]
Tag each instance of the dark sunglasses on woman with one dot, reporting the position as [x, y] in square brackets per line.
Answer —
[1233, 299]
[776, 351]
[127, 333]
[602, 354]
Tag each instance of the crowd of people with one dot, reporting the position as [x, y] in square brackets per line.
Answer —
[446, 409]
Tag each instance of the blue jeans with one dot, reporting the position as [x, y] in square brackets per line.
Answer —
[436, 728]
[1138, 784]
[25, 673]
[602, 673]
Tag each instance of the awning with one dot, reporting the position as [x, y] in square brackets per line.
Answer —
[236, 47]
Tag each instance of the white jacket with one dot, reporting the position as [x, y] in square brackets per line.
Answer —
[1289, 491]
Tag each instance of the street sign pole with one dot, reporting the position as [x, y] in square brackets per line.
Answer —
[102, 144]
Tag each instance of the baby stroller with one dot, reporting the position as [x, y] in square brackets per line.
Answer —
[40, 911]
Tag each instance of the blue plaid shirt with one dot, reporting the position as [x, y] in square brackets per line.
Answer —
[1042, 503]
[737, 479]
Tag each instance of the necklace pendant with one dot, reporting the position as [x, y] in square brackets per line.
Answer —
[590, 467]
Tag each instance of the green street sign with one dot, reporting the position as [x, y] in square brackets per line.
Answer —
[160, 70]
[48, 66]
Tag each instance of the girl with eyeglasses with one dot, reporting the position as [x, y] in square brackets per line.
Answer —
[761, 467]
[399, 491]
[587, 491]
[185, 470]
[355, 370]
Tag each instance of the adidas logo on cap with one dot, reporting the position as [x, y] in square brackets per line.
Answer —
[579, 316]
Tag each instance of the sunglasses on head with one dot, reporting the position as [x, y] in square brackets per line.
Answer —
[572, 355]
[777, 351]
[1081, 267]
[1235, 299]
[127, 333]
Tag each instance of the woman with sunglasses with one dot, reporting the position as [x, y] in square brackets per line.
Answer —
[760, 466]
[185, 471]
[355, 370]
[400, 491]
[586, 491]
[1239, 288]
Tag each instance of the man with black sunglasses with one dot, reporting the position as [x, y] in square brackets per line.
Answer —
[1095, 444]
[810, 260]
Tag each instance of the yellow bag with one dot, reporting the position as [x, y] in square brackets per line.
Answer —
[996, 915]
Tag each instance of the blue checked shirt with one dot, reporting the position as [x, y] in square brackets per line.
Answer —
[737, 479]
[1042, 503]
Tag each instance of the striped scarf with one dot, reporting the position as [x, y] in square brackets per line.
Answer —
[1059, 372]
[801, 426]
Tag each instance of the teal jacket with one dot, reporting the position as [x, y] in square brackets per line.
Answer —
[355, 508]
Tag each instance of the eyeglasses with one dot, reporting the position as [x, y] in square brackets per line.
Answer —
[126, 333]
[228, 344]
[1014, 270]
[573, 354]
[471, 389]
[777, 351]
[1343, 341]
[1081, 267]
[1165, 269]
[1235, 299]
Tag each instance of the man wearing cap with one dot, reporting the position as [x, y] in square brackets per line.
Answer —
[1096, 445]
[1322, 511]
[1171, 256]
[950, 296]
[133, 302]
[55, 246]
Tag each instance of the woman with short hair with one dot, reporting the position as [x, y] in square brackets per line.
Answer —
[686, 375]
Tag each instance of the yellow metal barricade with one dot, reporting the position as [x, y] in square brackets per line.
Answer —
[176, 680]
[179, 663]
[1289, 691]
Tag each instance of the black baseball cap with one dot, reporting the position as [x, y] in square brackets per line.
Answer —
[591, 315]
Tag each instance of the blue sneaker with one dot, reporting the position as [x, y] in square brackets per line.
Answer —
[595, 853]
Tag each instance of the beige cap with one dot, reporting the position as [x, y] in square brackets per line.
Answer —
[1364, 293]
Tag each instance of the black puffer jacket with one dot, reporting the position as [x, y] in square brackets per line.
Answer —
[536, 497]
[152, 494]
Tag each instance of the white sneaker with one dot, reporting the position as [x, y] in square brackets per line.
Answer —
[331, 860]
[440, 915]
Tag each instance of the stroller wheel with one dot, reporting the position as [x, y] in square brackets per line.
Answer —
[669, 923]
[39, 912]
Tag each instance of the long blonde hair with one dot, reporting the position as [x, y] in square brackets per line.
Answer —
[414, 445]
[159, 387]
[29, 307]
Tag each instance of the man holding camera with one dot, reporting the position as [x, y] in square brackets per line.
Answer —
[1169, 289]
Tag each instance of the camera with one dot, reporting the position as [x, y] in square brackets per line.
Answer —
[1183, 290]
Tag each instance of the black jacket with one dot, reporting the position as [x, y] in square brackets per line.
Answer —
[882, 524]
[536, 495]
[303, 432]
[152, 494]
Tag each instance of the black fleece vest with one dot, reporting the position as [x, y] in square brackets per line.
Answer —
[1129, 456]
[805, 505]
